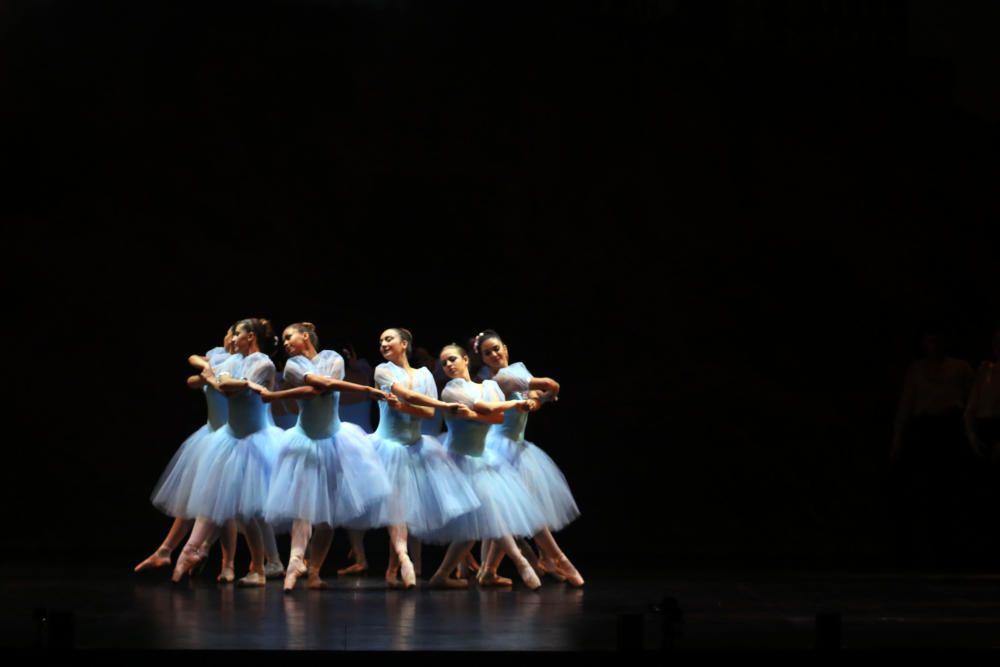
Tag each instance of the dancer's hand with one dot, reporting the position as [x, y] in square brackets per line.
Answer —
[453, 408]
[379, 395]
[253, 386]
[208, 373]
[466, 412]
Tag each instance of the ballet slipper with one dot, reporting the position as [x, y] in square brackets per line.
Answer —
[566, 569]
[295, 570]
[188, 559]
[227, 574]
[252, 580]
[274, 569]
[528, 575]
[407, 572]
[546, 566]
[447, 583]
[356, 568]
[160, 558]
[490, 579]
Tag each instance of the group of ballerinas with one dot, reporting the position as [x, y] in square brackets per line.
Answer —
[241, 474]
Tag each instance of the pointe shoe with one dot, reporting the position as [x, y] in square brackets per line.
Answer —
[274, 569]
[447, 582]
[546, 566]
[188, 559]
[406, 570]
[227, 575]
[490, 579]
[356, 568]
[153, 562]
[528, 575]
[566, 569]
[252, 580]
[296, 568]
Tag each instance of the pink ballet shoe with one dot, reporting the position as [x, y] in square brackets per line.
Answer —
[188, 559]
[566, 569]
[528, 575]
[356, 568]
[492, 579]
[447, 582]
[252, 580]
[155, 561]
[226, 575]
[407, 572]
[296, 568]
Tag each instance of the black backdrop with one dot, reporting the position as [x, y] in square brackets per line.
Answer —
[719, 225]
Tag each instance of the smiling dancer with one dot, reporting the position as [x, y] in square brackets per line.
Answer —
[427, 489]
[506, 506]
[327, 472]
[538, 471]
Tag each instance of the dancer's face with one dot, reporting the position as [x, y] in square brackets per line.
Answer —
[455, 365]
[494, 353]
[242, 339]
[227, 342]
[295, 341]
[391, 345]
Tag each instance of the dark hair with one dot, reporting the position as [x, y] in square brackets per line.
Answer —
[309, 329]
[482, 337]
[262, 329]
[407, 336]
[456, 346]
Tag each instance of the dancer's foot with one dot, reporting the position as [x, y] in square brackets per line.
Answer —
[252, 580]
[313, 582]
[447, 582]
[547, 566]
[471, 563]
[160, 558]
[356, 568]
[406, 570]
[227, 574]
[488, 579]
[296, 568]
[528, 575]
[188, 559]
[566, 569]
[274, 569]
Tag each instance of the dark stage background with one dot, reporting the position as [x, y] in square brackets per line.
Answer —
[720, 225]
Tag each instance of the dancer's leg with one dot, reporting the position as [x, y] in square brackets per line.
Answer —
[161, 557]
[191, 555]
[301, 531]
[553, 554]
[488, 570]
[273, 567]
[320, 547]
[413, 548]
[258, 555]
[397, 543]
[357, 539]
[227, 541]
[528, 576]
[455, 554]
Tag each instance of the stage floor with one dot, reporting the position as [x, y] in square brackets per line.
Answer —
[723, 612]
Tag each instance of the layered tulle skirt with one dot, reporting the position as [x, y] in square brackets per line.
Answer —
[428, 490]
[541, 476]
[506, 507]
[331, 480]
[172, 492]
[233, 476]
